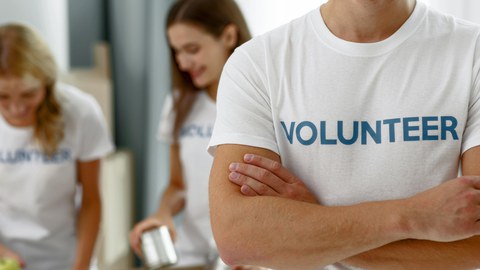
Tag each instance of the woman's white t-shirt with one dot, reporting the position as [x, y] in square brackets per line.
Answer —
[37, 208]
[194, 234]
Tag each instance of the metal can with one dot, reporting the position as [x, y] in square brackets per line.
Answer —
[157, 247]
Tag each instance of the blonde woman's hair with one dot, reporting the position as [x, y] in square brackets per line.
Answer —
[24, 53]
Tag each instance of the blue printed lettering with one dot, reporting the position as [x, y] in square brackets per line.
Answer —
[407, 128]
[21, 156]
[427, 128]
[341, 136]
[391, 127]
[445, 126]
[323, 135]
[194, 130]
[289, 133]
[312, 128]
[375, 135]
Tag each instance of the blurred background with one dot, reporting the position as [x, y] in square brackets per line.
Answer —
[116, 50]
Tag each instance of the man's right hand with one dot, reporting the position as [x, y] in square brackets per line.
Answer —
[147, 224]
[260, 176]
[7, 253]
[448, 212]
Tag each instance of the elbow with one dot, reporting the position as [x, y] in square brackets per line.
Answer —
[230, 247]
[233, 245]
[233, 255]
[229, 257]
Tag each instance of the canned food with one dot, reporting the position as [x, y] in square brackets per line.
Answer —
[157, 247]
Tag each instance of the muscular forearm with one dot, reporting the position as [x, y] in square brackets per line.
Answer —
[281, 233]
[415, 254]
[299, 235]
[87, 228]
[425, 255]
[286, 234]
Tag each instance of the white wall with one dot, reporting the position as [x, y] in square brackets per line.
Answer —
[265, 15]
[465, 9]
[49, 17]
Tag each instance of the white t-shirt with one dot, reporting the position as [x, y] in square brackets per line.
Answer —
[37, 210]
[357, 121]
[194, 234]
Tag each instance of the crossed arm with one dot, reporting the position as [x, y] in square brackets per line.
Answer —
[415, 254]
[297, 234]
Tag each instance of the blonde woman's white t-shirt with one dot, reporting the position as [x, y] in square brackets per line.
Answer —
[195, 240]
[357, 121]
[37, 209]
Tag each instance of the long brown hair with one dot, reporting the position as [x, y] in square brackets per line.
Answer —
[213, 16]
[23, 52]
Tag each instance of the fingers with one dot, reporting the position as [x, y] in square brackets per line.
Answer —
[272, 166]
[476, 198]
[135, 243]
[260, 180]
[475, 181]
[263, 176]
[246, 190]
[473, 184]
[136, 234]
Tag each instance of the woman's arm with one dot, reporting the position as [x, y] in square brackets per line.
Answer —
[171, 203]
[173, 199]
[90, 212]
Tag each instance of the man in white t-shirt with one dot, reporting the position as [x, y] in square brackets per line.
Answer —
[373, 104]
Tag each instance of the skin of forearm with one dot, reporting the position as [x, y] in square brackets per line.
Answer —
[172, 202]
[416, 254]
[173, 198]
[318, 235]
[87, 227]
[285, 234]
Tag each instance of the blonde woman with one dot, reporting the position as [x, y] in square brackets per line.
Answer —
[52, 137]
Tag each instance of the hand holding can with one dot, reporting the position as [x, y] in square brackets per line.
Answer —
[157, 247]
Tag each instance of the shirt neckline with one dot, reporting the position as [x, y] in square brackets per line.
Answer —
[8, 126]
[204, 94]
[367, 49]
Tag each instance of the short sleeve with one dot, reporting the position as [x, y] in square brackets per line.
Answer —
[472, 131]
[244, 114]
[95, 140]
[166, 125]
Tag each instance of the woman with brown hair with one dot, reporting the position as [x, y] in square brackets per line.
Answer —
[202, 34]
[52, 137]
